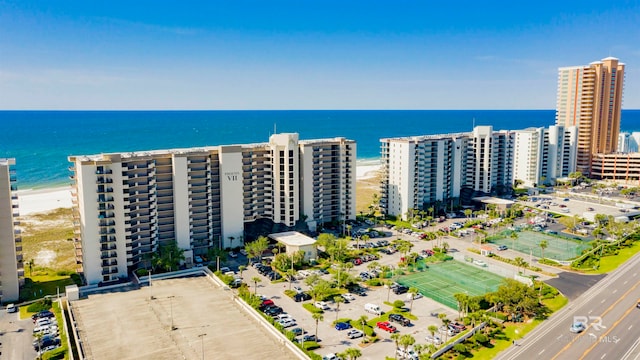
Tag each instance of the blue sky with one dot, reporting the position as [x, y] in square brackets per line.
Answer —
[306, 54]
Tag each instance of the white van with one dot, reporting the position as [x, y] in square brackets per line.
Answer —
[11, 308]
[373, 309]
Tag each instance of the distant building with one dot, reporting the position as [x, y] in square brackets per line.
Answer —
[628, 142]
[619, 167]
[489, 160]
[544, 154]
[128, 204]
[11, 262]
[590, 97]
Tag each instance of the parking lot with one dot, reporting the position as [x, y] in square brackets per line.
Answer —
[16, 337]
[127, 325]
[334, 341]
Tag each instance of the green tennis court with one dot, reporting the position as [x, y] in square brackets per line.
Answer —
[528, 242]
[442, 280]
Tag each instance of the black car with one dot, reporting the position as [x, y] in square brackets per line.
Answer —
[42, 314]
[44, 343]
[273, 310]
[301, 297]
[310, 338]
[399, 319]
[400, 290]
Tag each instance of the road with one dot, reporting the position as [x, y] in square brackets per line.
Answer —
[609, 310]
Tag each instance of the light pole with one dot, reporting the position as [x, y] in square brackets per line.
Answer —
[150, 289]
[201, 336]
[171, 311]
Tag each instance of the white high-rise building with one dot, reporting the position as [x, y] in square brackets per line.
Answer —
[129, 204]
[542, 155]
[421, 170]
[11, 268]
[489, 167]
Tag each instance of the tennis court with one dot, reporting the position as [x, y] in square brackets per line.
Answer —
[528, 242]
[442, 280]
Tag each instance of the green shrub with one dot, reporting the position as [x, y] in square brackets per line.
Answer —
[398, 304]
[344, 320]
[312, 309]
[142, 272]
[44, 304]
[374, 282]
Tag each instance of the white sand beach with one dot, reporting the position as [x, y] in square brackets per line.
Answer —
[43, 200]
[367, 171]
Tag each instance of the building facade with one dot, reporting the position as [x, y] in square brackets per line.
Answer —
[590, 97]
[620, 167]
[127, 205]
[11, 262]
[421, 170]
[544, 154]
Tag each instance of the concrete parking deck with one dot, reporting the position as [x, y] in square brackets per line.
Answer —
[127, 325]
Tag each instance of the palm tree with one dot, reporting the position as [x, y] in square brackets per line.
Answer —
[432, 329]
[241, 268]
[290, 274]
[362, 320]
[317, 317]
[231, 238]
[256, 280]
[543, 245]
[520, 263]
[338, 299]
[419, 348]
[413, 291]
[467, 213]
[396, 338]
[514, 237]
[462, 299]
[406, 341]
[445, 322]
[352, 353]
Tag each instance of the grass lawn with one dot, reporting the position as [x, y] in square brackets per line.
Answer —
[44, 282]
[610, 263]
[522, 329]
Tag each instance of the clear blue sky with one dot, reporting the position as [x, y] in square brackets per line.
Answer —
[302, 54]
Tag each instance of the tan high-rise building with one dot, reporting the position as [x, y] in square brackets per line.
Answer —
[11, 271]
[590, 97]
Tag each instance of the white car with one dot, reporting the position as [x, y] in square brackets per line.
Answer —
[233, 255]
[287, 323]
[409, 354]
[415, 297]
[577, 327]
[348, 297]
[243, 252]
[435, 340]
[480, 263]
[321, 305]
[283, 316]
[298, 289]
[330, 357]
[354, 334]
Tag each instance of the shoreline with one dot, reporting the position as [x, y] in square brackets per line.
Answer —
[42, 200]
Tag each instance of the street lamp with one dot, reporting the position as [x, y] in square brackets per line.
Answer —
[171, 310]
[201, 336]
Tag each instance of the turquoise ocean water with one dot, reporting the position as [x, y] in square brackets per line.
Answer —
[41, 140]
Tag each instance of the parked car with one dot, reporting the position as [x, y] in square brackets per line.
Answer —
[348, 297]
[42, 314]
[287, 322]
[435, 339]
[343, 326]
[310, 337]
[11, 308]
[301, 297]
[297, 331]
[273, 310]
[399, 319]
[502, 247]
[331, 357]
[480, 263]
[233, 255]
[354, 334]
[400, 290]
[243, 252]
[386, 326]
[408, 354]
[321, 305]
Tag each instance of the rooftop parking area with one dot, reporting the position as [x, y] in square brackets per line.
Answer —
[127, 325]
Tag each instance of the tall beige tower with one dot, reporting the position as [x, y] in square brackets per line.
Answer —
[11, 273]
[590, 97]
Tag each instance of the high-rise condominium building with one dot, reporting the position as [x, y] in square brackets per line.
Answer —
[422, 171]
[129, 204]
[11, 270]
[590, 97]
[541, 155]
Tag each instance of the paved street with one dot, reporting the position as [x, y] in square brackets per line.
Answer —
[609, 310]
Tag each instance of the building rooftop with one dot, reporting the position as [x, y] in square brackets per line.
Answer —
[293, 238]
[492, 200]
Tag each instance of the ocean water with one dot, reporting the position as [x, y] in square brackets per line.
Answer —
[41, 141]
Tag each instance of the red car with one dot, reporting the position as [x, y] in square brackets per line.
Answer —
[386, 326]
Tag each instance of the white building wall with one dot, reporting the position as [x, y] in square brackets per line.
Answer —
[8, 261]
[232, 194]
[88, 208]
[306, 191]
[181, 201]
